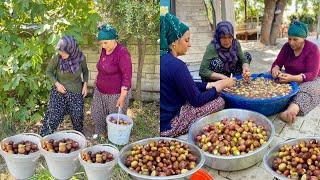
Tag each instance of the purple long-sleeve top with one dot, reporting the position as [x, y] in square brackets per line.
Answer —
[307, 63]
[114, 70]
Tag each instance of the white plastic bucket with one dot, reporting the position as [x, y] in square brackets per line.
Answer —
[97, 171]
[119, 134]
[61, 165]
[21, 166]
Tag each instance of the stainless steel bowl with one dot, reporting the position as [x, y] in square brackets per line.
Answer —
[234, 163]
[125, 151]
[269, 157]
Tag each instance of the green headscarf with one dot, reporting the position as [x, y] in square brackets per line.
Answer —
[171, 29]
[107, 32]
[298, 29]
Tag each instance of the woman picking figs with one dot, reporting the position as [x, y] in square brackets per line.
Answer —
[301, 61]
[182, 101]
[67, 97]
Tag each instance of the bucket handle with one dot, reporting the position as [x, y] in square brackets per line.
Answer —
[32, 134]
[109, 145]
[74, 132]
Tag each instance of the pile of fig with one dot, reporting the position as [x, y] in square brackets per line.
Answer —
[246, 76]
[65, 145]
[121, 121]
[161, 158]
[259, 88]
[299, 161]
[21, 147]
[231, 137]
[97, 157]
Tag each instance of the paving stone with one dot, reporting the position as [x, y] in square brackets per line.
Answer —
[278, 125]
[214, 173]
[224, 173]
[289, 132]
[310, 125]
[277, 140]
[251, 173]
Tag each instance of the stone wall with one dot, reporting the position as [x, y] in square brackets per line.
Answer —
[150, 72]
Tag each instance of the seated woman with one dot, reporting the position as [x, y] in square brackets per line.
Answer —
[301, 61]
[223, 55]
[182, 101]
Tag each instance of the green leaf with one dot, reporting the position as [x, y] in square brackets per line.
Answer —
[6, 87]
[43, 28]
[52, 39]
[16, 81]
[36, 117]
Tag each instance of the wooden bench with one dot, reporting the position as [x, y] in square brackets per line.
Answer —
[248, 29]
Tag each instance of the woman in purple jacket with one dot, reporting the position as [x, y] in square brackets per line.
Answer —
[113, 81]
[301, 61]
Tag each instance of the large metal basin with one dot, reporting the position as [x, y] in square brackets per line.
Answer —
[125, 151]
[269, 157]
[233, 163]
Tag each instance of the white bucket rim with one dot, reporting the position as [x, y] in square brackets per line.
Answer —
[99, 165]
[20, 156]
[63, 155]
[126, 118]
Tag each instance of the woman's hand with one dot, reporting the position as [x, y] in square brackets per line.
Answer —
[60, 88]
[285, 78]
[224, 83]
[121, 101]
[84, 89]
[245, 68]
[275, 72]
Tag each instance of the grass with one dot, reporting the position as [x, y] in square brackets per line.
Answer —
[146, 124]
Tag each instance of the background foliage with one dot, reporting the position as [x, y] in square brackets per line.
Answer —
[29, 31]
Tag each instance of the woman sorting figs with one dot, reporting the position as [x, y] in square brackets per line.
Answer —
[224, 56]
[182, 101]
[301, 61]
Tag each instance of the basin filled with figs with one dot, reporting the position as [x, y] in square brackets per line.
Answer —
[232, 139]
[261, 94]
[160, 158]
[295, 159]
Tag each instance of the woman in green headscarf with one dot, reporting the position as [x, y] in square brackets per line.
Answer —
[113, 81]
[301, 61]
[182, 101]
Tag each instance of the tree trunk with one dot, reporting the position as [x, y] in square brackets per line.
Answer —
[141, 53]
[269, 8]
[281, 4]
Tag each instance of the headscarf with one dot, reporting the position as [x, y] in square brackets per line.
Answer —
[69, 45]
[227, 55]
[298, 29]
[171, 29]
[107, 32]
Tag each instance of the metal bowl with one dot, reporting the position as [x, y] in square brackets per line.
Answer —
[125, 151]
[269, 157]
[233, 163]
